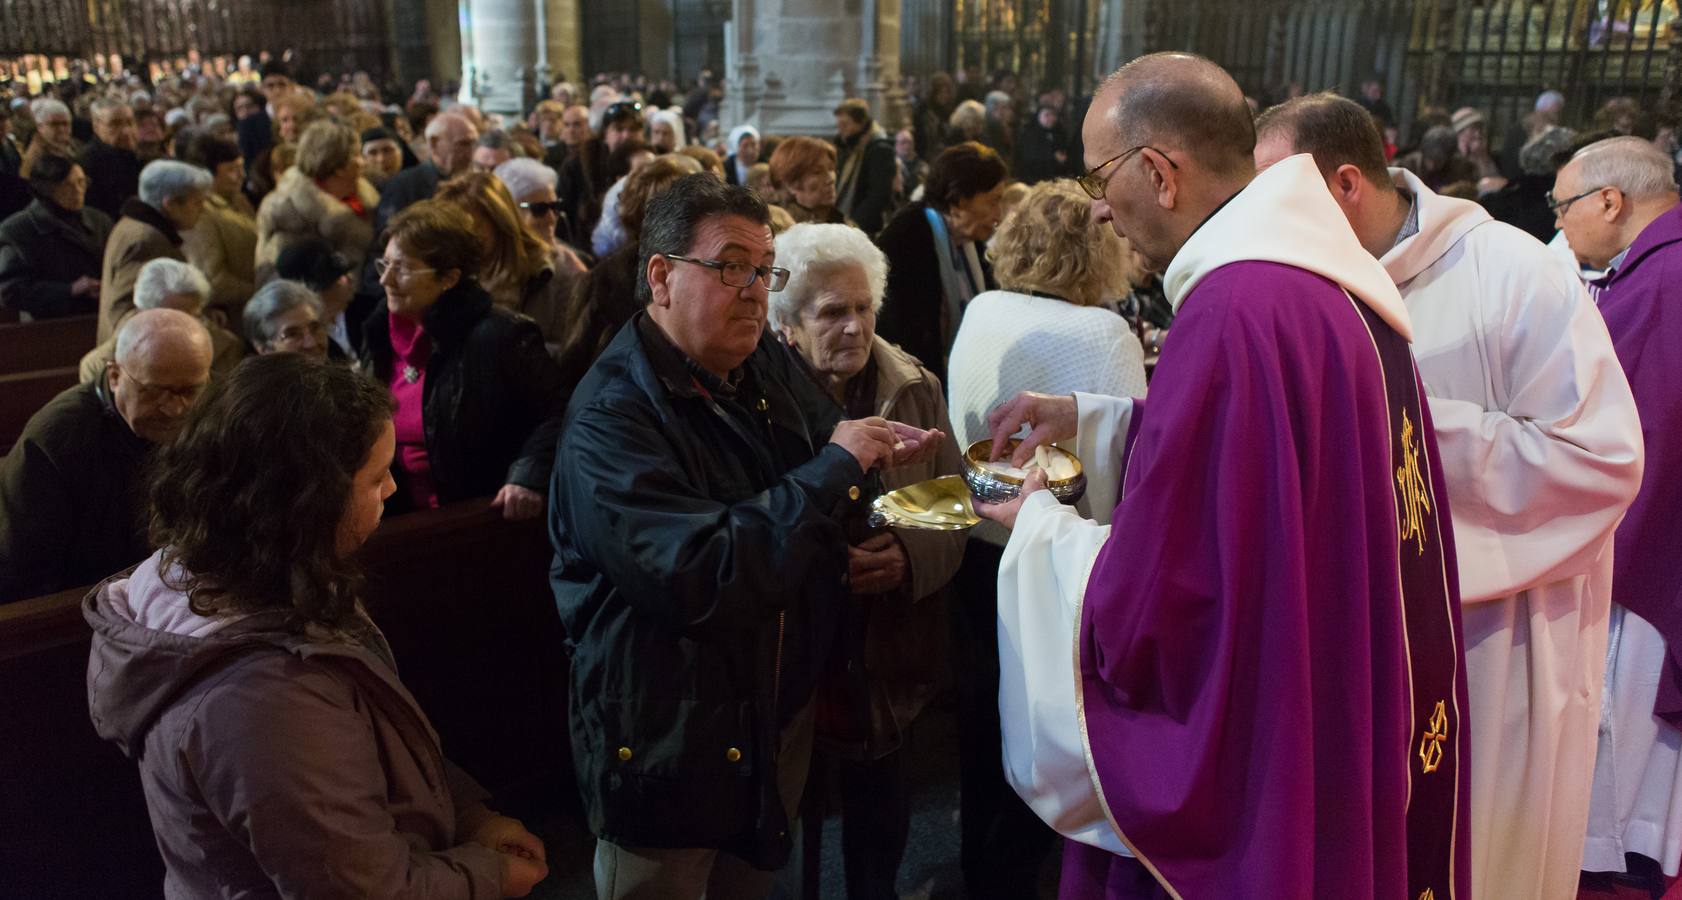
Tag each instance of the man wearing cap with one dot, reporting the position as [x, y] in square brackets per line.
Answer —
[1472, 134]
[315, 264]
[584, 179]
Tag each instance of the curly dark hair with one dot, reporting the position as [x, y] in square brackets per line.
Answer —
[249, 498]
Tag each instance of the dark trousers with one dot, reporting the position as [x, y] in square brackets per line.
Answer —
[875, 822]
[1003, 843]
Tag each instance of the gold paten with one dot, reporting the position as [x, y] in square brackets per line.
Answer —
[939, 504]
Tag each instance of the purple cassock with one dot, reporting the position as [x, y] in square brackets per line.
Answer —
[1639, 300]
[1271, 671]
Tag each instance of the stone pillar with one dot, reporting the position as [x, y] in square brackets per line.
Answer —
[563, 47]
[792, 61]
[499, 54]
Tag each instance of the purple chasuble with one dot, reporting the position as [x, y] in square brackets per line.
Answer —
[1271, 665]
[1636, 302]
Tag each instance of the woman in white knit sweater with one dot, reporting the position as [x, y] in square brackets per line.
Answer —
[1045, 331]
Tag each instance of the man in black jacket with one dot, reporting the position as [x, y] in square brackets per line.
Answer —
[584, 178]
[112, 166]
[865, 166]
[450, 139]
[72, 502]
[701, 497]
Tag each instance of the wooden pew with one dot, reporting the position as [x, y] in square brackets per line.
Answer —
[463, 598]
[23, 394]
[46, 343]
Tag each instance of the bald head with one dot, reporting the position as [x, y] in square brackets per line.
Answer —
[161, 366]
[1181, 101]
[450, 138]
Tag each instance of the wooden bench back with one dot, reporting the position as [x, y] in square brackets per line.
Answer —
[23, 394]
[46, 343]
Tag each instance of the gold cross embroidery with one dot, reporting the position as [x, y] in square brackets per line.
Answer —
[1431, 743]
[1413, 501]
[1427, 895]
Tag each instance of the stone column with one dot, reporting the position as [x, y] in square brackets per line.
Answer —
[792, 61]
[499, 54]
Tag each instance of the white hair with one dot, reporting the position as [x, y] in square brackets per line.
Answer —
[525, 177]
[166, 179]
[44, 106]
[810, 250]
[1550, 100]
[1630, 164]
[674, 119]
[163, 278]
[996, 99]
[271, 300]
[968, 113]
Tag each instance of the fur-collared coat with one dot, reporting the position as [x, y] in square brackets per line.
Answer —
[298, 209]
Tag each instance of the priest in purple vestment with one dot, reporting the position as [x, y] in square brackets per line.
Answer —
[1256, 688]
[1616, 201]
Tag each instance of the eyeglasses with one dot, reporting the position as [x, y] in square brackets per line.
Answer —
[292, 334]
[551, 208]
[739, 274]
[402, 273]
[1095, 186]
[1561, 207]
[157, 393]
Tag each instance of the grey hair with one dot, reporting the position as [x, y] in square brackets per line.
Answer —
[272, 300]
[811, 250]
[996, 99]
[166, 179]
[968, 112]
[105, 106]
[42, 106]
[1550, 100]
[441, 122]
[674, 119]
[525, 177]
[496, 139]
[1630, 164]
[163, 278]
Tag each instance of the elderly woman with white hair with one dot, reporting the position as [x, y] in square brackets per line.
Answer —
[172, 199]
[171, 284]
[890, 663]
[665, 130]
[287, 317]
[532, 185]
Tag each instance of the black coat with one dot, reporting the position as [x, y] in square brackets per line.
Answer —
[1036, 153]
[43, 252]
[113, 176]
[700, 552]
[914, 307]
[493, 400]
[582, 184]
[602, 301]
[400, 191]
[71, 500]
[873, 179]
[1523, 204]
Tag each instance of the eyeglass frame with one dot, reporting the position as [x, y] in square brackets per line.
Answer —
[1095, 188]
[765, 273]
[404, 273]
[553, 207]
[316, 328]
[158, 393]
[1561, 207]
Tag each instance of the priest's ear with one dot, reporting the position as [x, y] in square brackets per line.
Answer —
[1164, 176]
[1349, 186]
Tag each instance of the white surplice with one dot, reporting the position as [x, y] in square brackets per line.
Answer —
[1050, 554]
[1540, 444]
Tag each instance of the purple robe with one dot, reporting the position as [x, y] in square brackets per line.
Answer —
[1637, 302]
[1270, 651]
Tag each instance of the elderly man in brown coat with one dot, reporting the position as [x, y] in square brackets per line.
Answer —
[172, 197]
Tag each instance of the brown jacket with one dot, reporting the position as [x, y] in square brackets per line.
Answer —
[278, 762]
[140, 236]
[904, 634]
[298, 209]
[223, 245]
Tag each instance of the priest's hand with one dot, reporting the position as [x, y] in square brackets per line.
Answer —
[1005, 513]
[1052, 418]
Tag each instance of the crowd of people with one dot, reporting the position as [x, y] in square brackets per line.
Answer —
[1349, 586]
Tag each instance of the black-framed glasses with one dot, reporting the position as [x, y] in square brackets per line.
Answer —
[1561, 207]
[739, 274]
[1095, 186]
[551, 208]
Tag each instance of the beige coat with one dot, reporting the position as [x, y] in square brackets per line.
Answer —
[223, 245]
[298, 209]
[133, 243]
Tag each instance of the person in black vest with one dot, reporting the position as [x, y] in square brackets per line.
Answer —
[51, 253]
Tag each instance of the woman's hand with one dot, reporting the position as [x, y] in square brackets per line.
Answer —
[913, 445]
[524, 860]
[1005, 513]
[518, 503]
[877, 565]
